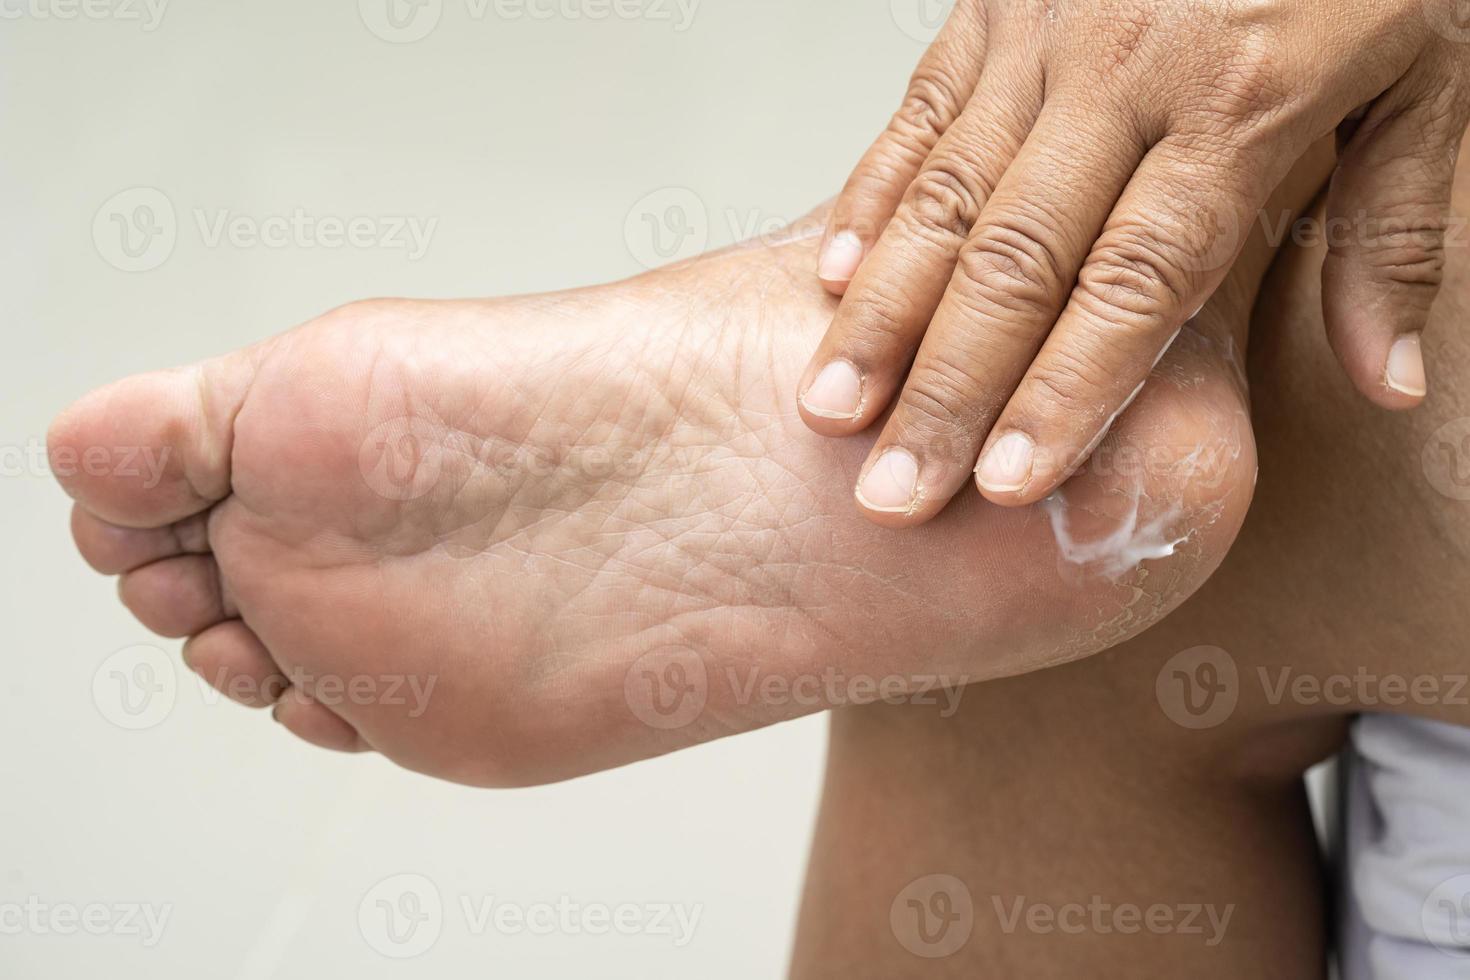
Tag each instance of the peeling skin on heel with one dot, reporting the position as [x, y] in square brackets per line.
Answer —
[1127, 546]
[1208, 334]
[1119, 553]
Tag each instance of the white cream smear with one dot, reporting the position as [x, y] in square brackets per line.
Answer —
[1123, 549]
[1130, 543]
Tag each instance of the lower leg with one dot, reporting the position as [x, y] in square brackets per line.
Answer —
[1024, 834]
[1343, 594]
[1033, 835]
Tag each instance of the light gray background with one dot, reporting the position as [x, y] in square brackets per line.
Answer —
[544, 148]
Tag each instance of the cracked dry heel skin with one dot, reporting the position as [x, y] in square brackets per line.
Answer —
[590, 528]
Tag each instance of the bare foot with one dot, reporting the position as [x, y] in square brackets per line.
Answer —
[512, 541]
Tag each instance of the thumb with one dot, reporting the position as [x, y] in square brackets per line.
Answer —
[1388, 211]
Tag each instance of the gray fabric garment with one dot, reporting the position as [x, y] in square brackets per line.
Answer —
[1406, 907]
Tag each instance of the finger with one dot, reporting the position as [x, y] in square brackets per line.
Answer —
[232, 660]
[1388, 212]
[861, 361]
[1166, 246]
[940, 87]
[112, 549]
[1013, 277]
[177, 596]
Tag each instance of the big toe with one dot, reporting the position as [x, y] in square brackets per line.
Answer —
[154, 448]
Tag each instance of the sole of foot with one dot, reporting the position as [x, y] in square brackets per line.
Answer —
[512, 541]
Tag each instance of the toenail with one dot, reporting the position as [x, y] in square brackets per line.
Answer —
[1405, 370]
[890, 483]
[1006, 466]
[836, 393]
[841, 257]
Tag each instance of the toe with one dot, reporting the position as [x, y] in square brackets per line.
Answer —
[177, 596]
[316, 723]
[113, 549]
[232, 660]
[155, 448]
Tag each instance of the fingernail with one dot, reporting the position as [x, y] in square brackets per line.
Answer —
[841, 258]
[890, 482]
[1007, 464]
[1405, 371]
[836, 392]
